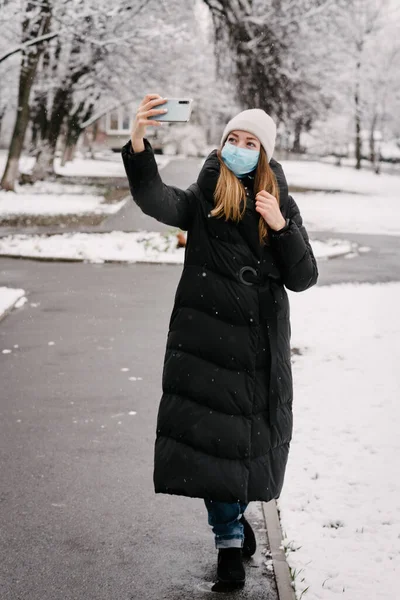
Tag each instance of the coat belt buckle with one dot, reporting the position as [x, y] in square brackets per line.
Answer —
[243, 270]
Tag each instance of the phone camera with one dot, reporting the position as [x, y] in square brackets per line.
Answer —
[183, 101]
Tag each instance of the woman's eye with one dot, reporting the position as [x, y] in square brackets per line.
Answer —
[251, 144]
[231, 140]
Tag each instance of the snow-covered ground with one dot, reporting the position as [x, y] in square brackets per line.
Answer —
[130, 247]
[105, 168]
[368, 203]
[340, 505]
[109, 165]
[350, 213]
[56, 198]
[48, 198]
[10, 297]
[323, 176]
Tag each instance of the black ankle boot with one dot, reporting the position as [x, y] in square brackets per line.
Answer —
[230, 566]
[249, 545]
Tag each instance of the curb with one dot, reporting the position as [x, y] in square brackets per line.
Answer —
[281, 568]
[116, 260]
[109, 261]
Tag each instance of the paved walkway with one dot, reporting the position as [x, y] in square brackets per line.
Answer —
[78, 514]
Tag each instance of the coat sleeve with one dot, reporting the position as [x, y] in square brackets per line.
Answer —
[165, 203]
[293, 252]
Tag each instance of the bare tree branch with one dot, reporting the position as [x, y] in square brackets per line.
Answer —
[23, 47]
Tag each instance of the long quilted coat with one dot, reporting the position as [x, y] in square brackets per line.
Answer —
[225, 418]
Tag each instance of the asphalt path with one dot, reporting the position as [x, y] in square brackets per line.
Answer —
[180, 173]
[78, 515]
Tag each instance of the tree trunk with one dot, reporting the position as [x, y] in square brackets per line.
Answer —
[2, 113]
[297, 133]
[372, 147]
[92, 139]
[74, 130]
[44, 166]
[68, 154]
[34, 25]
[44, 163]
[61, 108]
[12, 169]
[39, 121]
[71, 140]
[358, 147]
[358, 141]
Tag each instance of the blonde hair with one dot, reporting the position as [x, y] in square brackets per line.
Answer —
[230, 192]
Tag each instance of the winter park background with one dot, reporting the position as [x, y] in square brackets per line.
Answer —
[72, 73]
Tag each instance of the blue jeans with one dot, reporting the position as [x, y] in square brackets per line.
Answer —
[224, 520]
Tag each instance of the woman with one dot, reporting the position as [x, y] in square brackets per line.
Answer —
[225, 418]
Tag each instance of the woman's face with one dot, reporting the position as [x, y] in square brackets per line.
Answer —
[243, 139]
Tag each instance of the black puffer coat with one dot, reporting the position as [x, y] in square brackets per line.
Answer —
[225, 419]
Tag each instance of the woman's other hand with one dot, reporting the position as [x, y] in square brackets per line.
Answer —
[267, 206]
[146, 110]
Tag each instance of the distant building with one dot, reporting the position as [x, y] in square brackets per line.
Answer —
[112, 130]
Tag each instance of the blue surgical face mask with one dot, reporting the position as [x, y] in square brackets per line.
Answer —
[239, 160]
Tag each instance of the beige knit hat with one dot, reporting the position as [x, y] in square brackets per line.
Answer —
[257, 122]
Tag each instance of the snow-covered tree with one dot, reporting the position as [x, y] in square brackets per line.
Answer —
[358, 29]
[263, 40]
[35, 22]
[380, 88]
[308, 62]
[106, 54]
[73, 70]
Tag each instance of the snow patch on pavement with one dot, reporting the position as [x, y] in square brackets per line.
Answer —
[23, 300]
[339, 506]
[10, 297]
[126, 247]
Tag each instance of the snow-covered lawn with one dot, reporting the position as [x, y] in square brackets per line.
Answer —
[48, 198]
[323, 176]
[109, 166]
[130, 247]
[340, 504]
[10, 297]
[350, 213]
[368, 203]
[113, 167]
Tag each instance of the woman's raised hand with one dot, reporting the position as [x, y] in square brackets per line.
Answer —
[147, 109]
[268, 207]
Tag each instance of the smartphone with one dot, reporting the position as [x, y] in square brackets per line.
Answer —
[179, 110]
